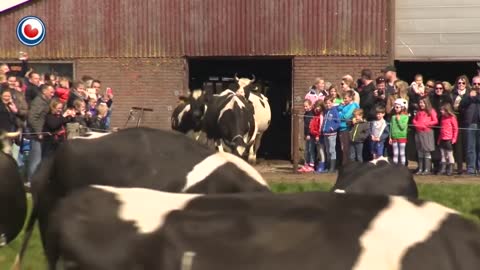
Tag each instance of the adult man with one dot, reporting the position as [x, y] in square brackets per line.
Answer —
[367, 100]
[33, 87]
[391, 76]
[18, 99]
[470, 105]
[36, 119]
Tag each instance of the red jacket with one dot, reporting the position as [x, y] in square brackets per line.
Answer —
[448, 129]
[315, 125]
[424, 122]
[62, 94]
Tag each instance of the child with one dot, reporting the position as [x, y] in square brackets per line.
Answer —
[398, 130]
[358, 135]
[378, 129]
[315, 131]
[423, 121]
[345, 111]
[331, 123]
[63, 90]
[448, 136]
[100, 122]
[309, 141]
[332, 91]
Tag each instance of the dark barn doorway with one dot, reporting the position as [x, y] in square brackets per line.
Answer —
[438, 71]
[276, 76]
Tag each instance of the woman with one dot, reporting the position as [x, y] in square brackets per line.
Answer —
[460, 89]
[348, 84]
[317, 91]
[8, 112]
[438, 98]
[401, 92]
[55, 126]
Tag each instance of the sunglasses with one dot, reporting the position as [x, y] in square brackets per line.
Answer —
[461, 83]
[476, 83]
[438, 88]
[429, 86]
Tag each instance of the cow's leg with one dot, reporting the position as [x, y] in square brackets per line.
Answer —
[252, 157]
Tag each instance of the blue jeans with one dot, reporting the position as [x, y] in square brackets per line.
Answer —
[330, 144]
[35, 157]
[356, 151]
[377, 148]
[310, 151]
[473, 148]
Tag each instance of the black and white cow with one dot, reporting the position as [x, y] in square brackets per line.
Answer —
[229, 121]
[13, 200]
[188, 115]
[376, 177]
[103, 227]
[136, 157]
[262, 112]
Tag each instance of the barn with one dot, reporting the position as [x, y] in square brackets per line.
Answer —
[152, 51]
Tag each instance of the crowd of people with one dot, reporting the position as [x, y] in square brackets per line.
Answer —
[41, 106]
[374, 117]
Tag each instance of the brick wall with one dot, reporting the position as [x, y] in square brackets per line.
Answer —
[146, 82]
[332, 69]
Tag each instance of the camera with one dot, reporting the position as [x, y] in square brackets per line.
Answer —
[381, 92]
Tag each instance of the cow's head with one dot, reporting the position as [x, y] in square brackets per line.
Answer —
[242, 86]
[6, 141]
[191, 112]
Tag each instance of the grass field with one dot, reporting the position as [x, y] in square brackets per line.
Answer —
[462, 197]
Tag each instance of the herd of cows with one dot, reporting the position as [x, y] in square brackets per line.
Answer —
[233, 120]
[143, 198]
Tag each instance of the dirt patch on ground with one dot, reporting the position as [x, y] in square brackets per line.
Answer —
[282, 171]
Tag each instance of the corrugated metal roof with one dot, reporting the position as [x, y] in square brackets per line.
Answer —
[166, 28]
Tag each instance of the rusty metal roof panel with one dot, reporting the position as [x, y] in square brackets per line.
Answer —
[165, 28]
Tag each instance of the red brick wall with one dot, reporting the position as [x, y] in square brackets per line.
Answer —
[332, 69]
[142, 82]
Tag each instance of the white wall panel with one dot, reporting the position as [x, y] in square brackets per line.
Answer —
[437, 30]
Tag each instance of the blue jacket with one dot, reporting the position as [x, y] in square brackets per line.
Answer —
[308, 116]
[346, 115]
[331, 121]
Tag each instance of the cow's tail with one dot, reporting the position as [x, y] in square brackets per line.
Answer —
[39, 182]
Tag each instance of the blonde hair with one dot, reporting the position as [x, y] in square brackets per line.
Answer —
[77, 103]
[102, 109]
[53, 105]
[402, 87]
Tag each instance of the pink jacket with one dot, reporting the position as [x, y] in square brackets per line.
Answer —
[424, 122]
[448, 129]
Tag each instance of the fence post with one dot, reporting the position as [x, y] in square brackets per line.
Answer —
[295, 130]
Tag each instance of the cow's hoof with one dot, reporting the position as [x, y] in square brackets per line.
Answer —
[252, 160]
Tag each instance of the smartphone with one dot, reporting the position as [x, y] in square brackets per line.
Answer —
[109, 91]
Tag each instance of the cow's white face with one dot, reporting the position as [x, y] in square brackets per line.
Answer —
[242, 83]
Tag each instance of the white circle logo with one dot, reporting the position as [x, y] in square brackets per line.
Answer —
[31, 31]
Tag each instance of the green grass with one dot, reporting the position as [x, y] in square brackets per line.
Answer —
[462, 197]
